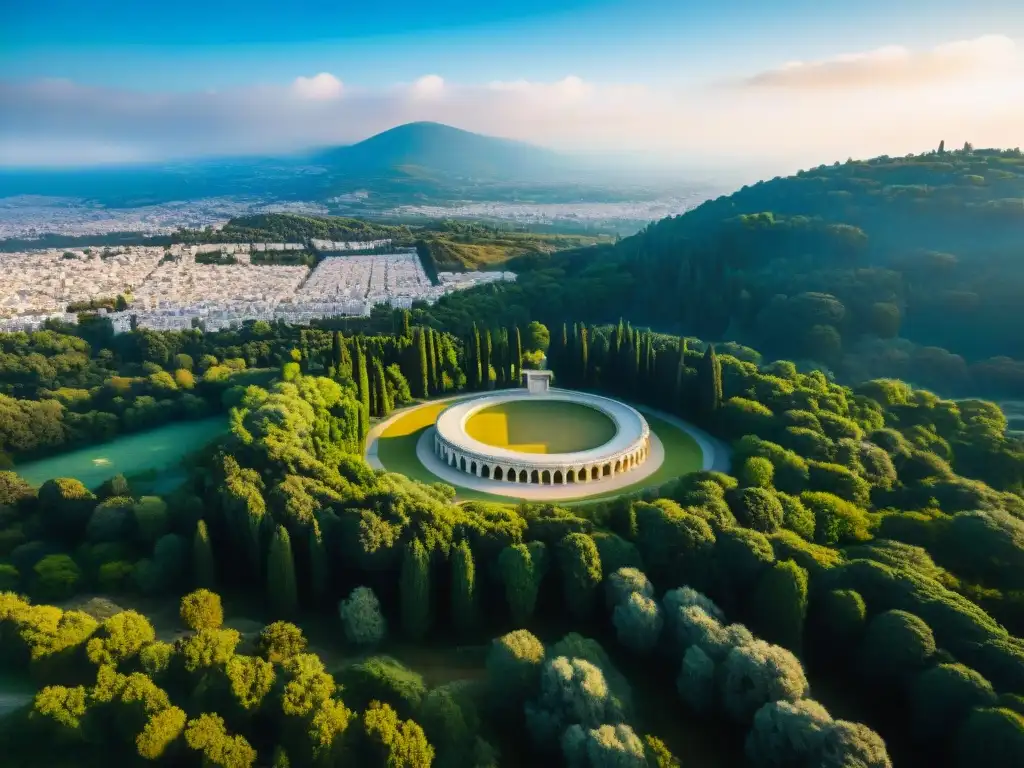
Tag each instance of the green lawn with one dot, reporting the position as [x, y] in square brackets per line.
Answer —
[396, 449]
[541, 426]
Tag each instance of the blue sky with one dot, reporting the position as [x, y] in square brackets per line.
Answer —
[172, 55]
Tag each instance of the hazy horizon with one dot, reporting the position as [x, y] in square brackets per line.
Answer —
[732, 86]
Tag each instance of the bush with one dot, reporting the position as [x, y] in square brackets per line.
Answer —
[57, 578]
[120, 638]
[382, 678]
[756, 472]
[991, 737]
[608, 746]
[696, 680]
[847, 744]
[844, 613]
[779, 605]
[279, 641]
[796, 517]
[522, 567]
[758, 673]
[208, 736]
[201, 610]
[580, 567]
[836, 520]
[361, 617]
[572, 692]
[161, 730]
[943, 696]
[623, 583]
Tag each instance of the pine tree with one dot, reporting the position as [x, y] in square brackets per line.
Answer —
[204, 570]
[709, 384]
[464, 587]
[486, 351]
[432, 362]
[421, 380]
[517, 357]
[319, 570]
[414, 590]
[282, 590]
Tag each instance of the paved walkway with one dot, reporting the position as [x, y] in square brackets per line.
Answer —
[717, 457]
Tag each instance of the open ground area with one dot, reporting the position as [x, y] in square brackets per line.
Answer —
[547, 426]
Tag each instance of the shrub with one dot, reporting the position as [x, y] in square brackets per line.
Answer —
[120, 638]
[757, 673]
[836, 520]
[572, 692]
[155, 658]
[207, 648]
[796, 517]
[992, 737]
[361, 617]
[846, 744]
[414, 588]
[779, 605]
[844, 613]
[608, 746]
[756, 472]
[151, 519]
[251, 679]
[201, 609]
[943, 696]
[161, 730]
[391, 742]
[382, 678]
[57, 578]
[279, 641]
[839, 481]
[208, 736]
[522, 567]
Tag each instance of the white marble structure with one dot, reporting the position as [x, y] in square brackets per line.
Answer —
[628, 449]
[537, 382]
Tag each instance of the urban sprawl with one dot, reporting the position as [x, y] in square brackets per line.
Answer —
[168, 289]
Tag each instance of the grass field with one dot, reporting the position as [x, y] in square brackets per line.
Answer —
[541, 426]
[396, 449]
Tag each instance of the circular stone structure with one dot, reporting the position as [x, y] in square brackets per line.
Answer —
[627, 448]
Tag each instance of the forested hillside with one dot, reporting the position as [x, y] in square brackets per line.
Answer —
[905, 267]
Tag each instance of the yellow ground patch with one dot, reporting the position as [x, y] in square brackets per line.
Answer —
[541, 426]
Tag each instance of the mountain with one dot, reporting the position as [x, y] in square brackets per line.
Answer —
[433, 149]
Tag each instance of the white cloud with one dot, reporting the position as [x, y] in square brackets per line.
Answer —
[322, 86]
[956, 92]
[895, 66]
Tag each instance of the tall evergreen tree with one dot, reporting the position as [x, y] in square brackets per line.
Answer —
[475, 342]
[680, 378]
[362, 379]
[337, 345]
[709, 384]
[204, 570]
[406, 331]
[486, 351]
[583, 357]
[282, 590]
[432, 362]
[464, 587]
[414, 590]
[381, 397]
[421, 382]
[319, 570]
[517, 356]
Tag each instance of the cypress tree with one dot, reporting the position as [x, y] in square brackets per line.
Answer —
[439, 361]
[414, 590]
[517, 356]
[337, 346]
[486, 351]
[431, 362]
[319, 571]
[649, 363]
[709, 384]
[583, 354]
[282, 590]
[779, 605]
[475, 342]
[464, 587]
[381, 397]
[421, 382]
[680, 380]
[343, 366]
[406, 332]
[204, 570]
[362, 379]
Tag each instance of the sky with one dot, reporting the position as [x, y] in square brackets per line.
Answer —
[784, 84]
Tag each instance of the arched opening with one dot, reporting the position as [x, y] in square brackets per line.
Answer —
[535, 477]
[462, 463]
[593, 473]
[545, 477]
[522, 476]
[570, 476]
[498, 474]
[607, 470]
[618, 465]
[485, 471]
[472, 467]
[558, 477]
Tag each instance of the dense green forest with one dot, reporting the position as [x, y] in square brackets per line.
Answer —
[900, 267]
[849, 596]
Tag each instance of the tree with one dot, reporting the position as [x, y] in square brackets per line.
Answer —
[361, 617]
[709, 384]
[204, 570]
[120, 638]
[421, 381]
[522, 567]
[572, 692]
[464, 587]
[208, 736]
[757, 673]
[604, 746]
[362, 379]
[387, 741]
[517, 352]
[580, 568]
[942, 697]
[282, 589]
[537, 337]
[780, 605]
[513, 667]
[414, 587]
[56, 578]
[845, 744]
[201, 610]
[161, 731]
[279, 641]
[696, 680]
[625, 582]
[638, 622]
[897, 646]
[787, 733]
[758, 508]
[756, 472]
[992, 736]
